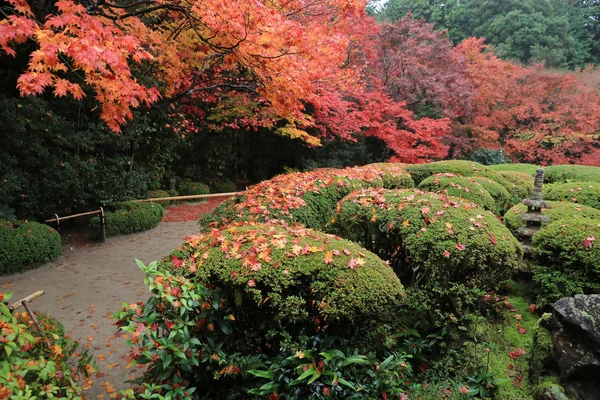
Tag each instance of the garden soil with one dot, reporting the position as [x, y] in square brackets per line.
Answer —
[88, 283]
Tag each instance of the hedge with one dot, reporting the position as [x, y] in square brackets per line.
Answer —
[187, 188]
[459, 186]
[521, 185]
[157, 194]
[130, 217]
[570, 244]
[528, 169]
[292, 280]
[420, 172]
[560, 210]
[498, 192]
[430, 238]
[308, 198]
[569, 173]
[586, 193]
[26, 245]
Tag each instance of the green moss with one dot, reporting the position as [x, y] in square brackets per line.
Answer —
[541, 349]
[569, 173]
[586, 193]
[430, 238]
[291, 279]
[130, 217]
[528, 169]
[27, 245]
[420, 172]
[498, 192]
[549, 389]
[559, 210]
[157, 194]
[460, 186]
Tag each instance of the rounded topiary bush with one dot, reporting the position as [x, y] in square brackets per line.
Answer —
[570, 244]
[498, 192]
[420, 172]
[187, 188]
[459, 186]
[308, 198]
[130, 217]
[586, 193]
[569, 173]
[292, 280]
[157, 194]
[520, 185]
[430, 238]
[561, 210]
[173, 193]
[26, 245]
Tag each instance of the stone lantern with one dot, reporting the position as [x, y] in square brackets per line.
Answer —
[533, 217]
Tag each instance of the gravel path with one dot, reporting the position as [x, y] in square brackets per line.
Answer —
[88, 283]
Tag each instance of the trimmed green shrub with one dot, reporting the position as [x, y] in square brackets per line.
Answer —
[187, 188]
[420, 172]
[553, 284]
[528, 169]
[571, 244]
[395, 176]
[586, 193]
[498, 192]
[570, 173]
[157, 194]
[33, 368]
[298, 278]
[520, 185]
[130, 217]
[173, 193]
[224, 186]
[430, 238]
[26, 245]
[560, 210]
[459, 186]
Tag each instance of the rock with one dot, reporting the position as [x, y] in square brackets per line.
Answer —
[576, 341]
[549, 391]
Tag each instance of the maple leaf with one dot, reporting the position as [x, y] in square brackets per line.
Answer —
[328, 257]
[460, 247]
[588, 242]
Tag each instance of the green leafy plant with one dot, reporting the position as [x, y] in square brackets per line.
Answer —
[158, 194]
[7, 213]
[39, 365]
[131, 217]
[484, 382]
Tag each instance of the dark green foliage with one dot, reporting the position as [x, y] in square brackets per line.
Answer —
[540, 356]
[571, 173]
[459, 186]
[130, 217]
[188, 188]
[173, 193]
[498, 192]
[223, 186]
[7, 213]
[430, 238]
[55, 158]
[586, 193]
[488, 156]
[570, 245]
[560, 210]
[557, 33]
[419, 172]
[158, 194]
[26, 245]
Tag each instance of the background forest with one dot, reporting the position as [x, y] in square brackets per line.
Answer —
[410, 81]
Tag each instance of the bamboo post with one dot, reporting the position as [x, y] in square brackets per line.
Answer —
[14, 306]
[102, 225]
[190, 197]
